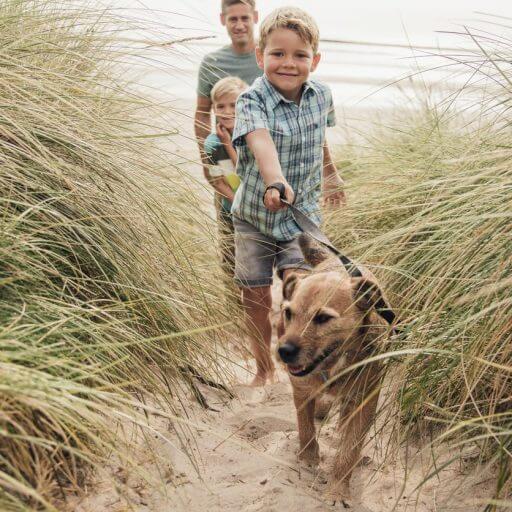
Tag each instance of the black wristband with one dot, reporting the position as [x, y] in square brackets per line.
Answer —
[279, 187]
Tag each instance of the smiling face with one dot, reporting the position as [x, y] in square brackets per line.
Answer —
[287, 61]
[224, 108]
[239, 20]
[322, 322]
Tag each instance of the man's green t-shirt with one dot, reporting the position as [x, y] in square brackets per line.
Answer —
[225, 62]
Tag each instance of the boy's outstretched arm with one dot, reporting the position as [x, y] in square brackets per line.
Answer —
[262, 146]
[333, 193]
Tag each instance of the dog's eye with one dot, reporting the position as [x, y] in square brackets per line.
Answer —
[322, 318]
[288, 314]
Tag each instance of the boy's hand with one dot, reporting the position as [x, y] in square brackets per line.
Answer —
[333, 193]
[223, 134]
[272, 201]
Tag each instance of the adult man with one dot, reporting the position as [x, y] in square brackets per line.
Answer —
[237, 59]
[234, 60]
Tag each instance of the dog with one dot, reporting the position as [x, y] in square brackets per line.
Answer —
[328, 323]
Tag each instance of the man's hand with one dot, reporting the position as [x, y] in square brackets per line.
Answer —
[272, 200]
[333, 193]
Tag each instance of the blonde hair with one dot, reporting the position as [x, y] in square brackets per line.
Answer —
[294, 19]
[228, 3]
[227, 85]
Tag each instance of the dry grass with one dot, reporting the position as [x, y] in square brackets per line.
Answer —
[106, 280]
[430, 207]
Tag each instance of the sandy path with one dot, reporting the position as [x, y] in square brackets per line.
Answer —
[245, 460]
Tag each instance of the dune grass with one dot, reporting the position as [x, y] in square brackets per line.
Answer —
[430, 208]
[107, 266]
[107, 281]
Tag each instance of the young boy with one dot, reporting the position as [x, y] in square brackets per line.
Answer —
[222, 158]
[280, 134]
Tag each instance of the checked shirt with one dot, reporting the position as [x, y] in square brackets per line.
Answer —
[298, 132]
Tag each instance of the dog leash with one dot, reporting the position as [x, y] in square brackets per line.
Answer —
[310, 228]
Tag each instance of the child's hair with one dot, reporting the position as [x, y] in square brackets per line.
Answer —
[227, 85]
[228, 3]
[294, 19]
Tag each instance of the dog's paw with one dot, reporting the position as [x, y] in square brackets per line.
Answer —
[338, 495]
[310, 455]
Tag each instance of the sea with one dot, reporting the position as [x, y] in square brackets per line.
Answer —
[374, 53]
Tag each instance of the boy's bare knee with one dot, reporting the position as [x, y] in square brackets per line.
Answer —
[259, 294]
[257, 301]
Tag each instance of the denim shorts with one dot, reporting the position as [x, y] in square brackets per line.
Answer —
[256, 256]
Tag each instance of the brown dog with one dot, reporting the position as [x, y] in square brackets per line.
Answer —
[329, 324]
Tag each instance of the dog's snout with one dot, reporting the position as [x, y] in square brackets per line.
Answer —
[288, 352]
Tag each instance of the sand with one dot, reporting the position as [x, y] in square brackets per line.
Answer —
[244, 459]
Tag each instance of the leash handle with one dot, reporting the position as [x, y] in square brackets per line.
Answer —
[280, 188]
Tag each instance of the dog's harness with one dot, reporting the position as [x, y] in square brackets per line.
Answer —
[310, 228]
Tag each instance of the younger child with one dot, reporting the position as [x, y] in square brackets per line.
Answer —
[280, 134]
[222, 158]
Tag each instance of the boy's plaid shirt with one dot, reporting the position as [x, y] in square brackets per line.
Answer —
[298, 132]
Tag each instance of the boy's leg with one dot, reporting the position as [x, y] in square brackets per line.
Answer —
[254, 261]
[227, 249]
[226, 236]
[257, 304]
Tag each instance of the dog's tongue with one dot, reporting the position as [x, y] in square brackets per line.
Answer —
[295, 369]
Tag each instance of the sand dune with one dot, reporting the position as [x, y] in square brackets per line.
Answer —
[244, 456]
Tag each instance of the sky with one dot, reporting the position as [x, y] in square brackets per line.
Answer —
[354, 72]
[395, 21]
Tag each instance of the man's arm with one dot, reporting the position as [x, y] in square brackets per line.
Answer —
[264, 150]
[202, 127]
[331, 182]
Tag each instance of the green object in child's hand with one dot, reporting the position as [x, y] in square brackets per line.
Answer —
[233, 181]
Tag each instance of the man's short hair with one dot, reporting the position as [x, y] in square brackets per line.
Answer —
[294, 19]
[227, 85]
[228, 3]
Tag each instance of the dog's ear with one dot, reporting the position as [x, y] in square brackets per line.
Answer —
[314, 253]
[367, 294]
[290, 284]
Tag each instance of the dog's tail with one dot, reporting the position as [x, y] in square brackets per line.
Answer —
[313, 251]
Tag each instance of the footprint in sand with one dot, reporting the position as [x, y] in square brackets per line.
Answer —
[260, 425]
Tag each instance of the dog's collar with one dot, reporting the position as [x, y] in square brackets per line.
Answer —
[322, 357]
[324, 374]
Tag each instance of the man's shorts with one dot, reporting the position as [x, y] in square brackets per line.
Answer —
[256, 256]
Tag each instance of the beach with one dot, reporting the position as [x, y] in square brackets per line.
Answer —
[242, 456]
